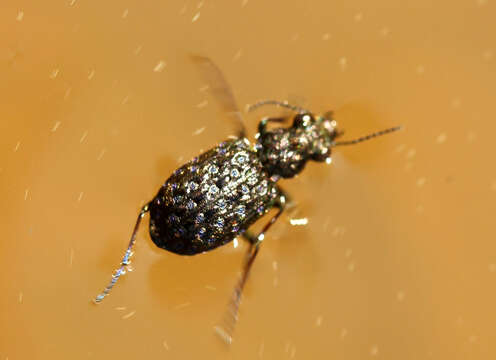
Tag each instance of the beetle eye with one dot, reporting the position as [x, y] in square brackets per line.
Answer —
[302, 120]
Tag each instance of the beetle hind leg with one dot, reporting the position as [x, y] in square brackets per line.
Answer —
[226, 330]
[125, 260]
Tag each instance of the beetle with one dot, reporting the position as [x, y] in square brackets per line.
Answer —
[218, 195]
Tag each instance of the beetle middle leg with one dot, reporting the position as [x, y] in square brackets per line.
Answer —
[226, 331]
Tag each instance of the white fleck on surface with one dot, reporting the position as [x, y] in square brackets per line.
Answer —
[196, 17]
[182, 306]
[471, 135]
[493, 185]
[201, 105]
[343, 333]
[67, 93]
[80, 197]
[339, 231]
[138, 49]
[166, 346]
[441, 139]
[318, 321]
[101, 154]
[298, 222]
[20, 15]
[183, 10]
[83, 137]
[295, 37]
[128, 315]
[456, 102]
[275, 266]
[420, 69]
[160, 66]
[275, 282]
[243, 3]
[91, 73]
[26, 194]
[421, 181]
[237, 55]
[54, 73]
[120, 308]
[326, 36]
[235, 243]
[351, 266]
[125, 13]
[491, 267]
[72, 2]
[21, 297]
[400, 148]
[400, 295]
[348, 253]
[374, 350]
[343, 63]
[210, 287]
[481, 2]
[488, 55]
[200, 5]
[17, 146]
[411, 153]
[385, 31]
[419, 209]
[358, 17]
[55, 126]
[71, 257]
[261, 350]
[472, 339]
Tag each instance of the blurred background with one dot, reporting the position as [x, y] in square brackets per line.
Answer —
[99, 103]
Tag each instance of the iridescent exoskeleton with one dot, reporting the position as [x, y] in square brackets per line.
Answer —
[218, 195]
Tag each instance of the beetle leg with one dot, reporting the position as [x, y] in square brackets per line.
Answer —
[125, 260]
[226, 331]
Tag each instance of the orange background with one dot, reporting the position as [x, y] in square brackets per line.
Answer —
[99, 103]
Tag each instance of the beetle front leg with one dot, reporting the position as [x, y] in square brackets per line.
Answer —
[226, 331]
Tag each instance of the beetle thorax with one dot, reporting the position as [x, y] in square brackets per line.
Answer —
[285, 151]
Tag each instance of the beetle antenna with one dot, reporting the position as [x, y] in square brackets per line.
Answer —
[283, 104]
[367, 137]
[125, 260]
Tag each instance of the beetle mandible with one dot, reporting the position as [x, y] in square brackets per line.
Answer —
[218, 195]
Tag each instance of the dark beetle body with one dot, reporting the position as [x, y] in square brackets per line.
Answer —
[217, 196]
[212, 199]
